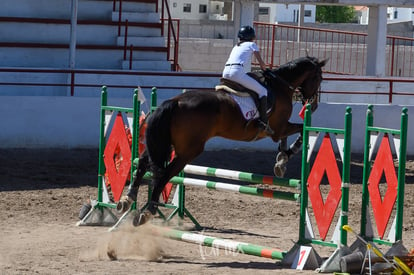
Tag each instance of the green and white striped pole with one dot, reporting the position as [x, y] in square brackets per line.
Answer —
[233, 187]
[242, 176]
[230, 245]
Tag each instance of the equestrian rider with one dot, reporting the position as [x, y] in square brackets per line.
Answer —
[240, 55]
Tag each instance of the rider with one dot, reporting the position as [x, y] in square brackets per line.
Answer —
[234, 70]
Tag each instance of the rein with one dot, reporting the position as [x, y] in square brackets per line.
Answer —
[297, 92]
[276, 76]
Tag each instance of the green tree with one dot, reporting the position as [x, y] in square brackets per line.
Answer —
[335, 14]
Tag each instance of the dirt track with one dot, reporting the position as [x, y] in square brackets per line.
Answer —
[42, 192]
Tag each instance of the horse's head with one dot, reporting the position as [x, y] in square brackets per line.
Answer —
[302, 77]
[309, 89]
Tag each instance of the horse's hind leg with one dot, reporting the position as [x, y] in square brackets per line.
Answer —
[125, 203]
[160, 178]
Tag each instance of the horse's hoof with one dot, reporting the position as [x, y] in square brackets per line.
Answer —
[282, 157]
[123, 205]
[279, 170]
[111, 254]
[84, 210]
[142, 218]
[280, 166]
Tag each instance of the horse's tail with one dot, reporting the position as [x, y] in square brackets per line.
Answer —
[158, 133]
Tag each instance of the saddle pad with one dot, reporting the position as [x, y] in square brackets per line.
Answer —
[247, 106]
[231, 90]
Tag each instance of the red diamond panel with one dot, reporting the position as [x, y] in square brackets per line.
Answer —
[117, 157]
[325, 161]
[382, 208]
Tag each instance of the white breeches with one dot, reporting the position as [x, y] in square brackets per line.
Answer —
[237, 74]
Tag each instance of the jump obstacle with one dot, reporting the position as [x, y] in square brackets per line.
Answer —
[325, 164]
[384, 163]
[116, 119]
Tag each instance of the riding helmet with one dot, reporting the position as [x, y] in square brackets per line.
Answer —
[246, 33]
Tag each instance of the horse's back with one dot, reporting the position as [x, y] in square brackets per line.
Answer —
[202, 99]
[202, 114]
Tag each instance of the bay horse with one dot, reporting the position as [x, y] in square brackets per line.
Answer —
[186, 122]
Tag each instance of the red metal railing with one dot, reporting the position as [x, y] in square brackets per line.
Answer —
[391, 87]
[172, 36]
[400, 56]
[346, 51]
[74, 83]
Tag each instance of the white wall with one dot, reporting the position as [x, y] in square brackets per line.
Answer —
[195, 29]
[73, 122]
[205, 55]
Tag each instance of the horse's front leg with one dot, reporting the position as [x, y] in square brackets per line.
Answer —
[293, 128]
[281, 159]
[125, 202]
[285, 153]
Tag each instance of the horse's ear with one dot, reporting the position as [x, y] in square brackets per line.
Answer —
[323, 62]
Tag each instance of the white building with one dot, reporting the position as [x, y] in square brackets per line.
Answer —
[200, 9]
[397, 15]
[394, 15]
[271, 12]
[362, 14]
[220, 10]
[279, 13]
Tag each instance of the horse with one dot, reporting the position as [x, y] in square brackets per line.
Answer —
[187, 121]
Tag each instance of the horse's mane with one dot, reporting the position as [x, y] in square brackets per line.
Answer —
[299, 66]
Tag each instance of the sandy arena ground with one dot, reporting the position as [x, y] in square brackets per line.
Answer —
[42, 192]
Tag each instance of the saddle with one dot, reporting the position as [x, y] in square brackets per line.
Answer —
[232, 87]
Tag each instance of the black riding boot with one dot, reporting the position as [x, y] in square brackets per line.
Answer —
[263, 123]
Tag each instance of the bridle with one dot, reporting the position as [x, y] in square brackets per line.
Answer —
[298, 96]
[314, 96]
[298, 91]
